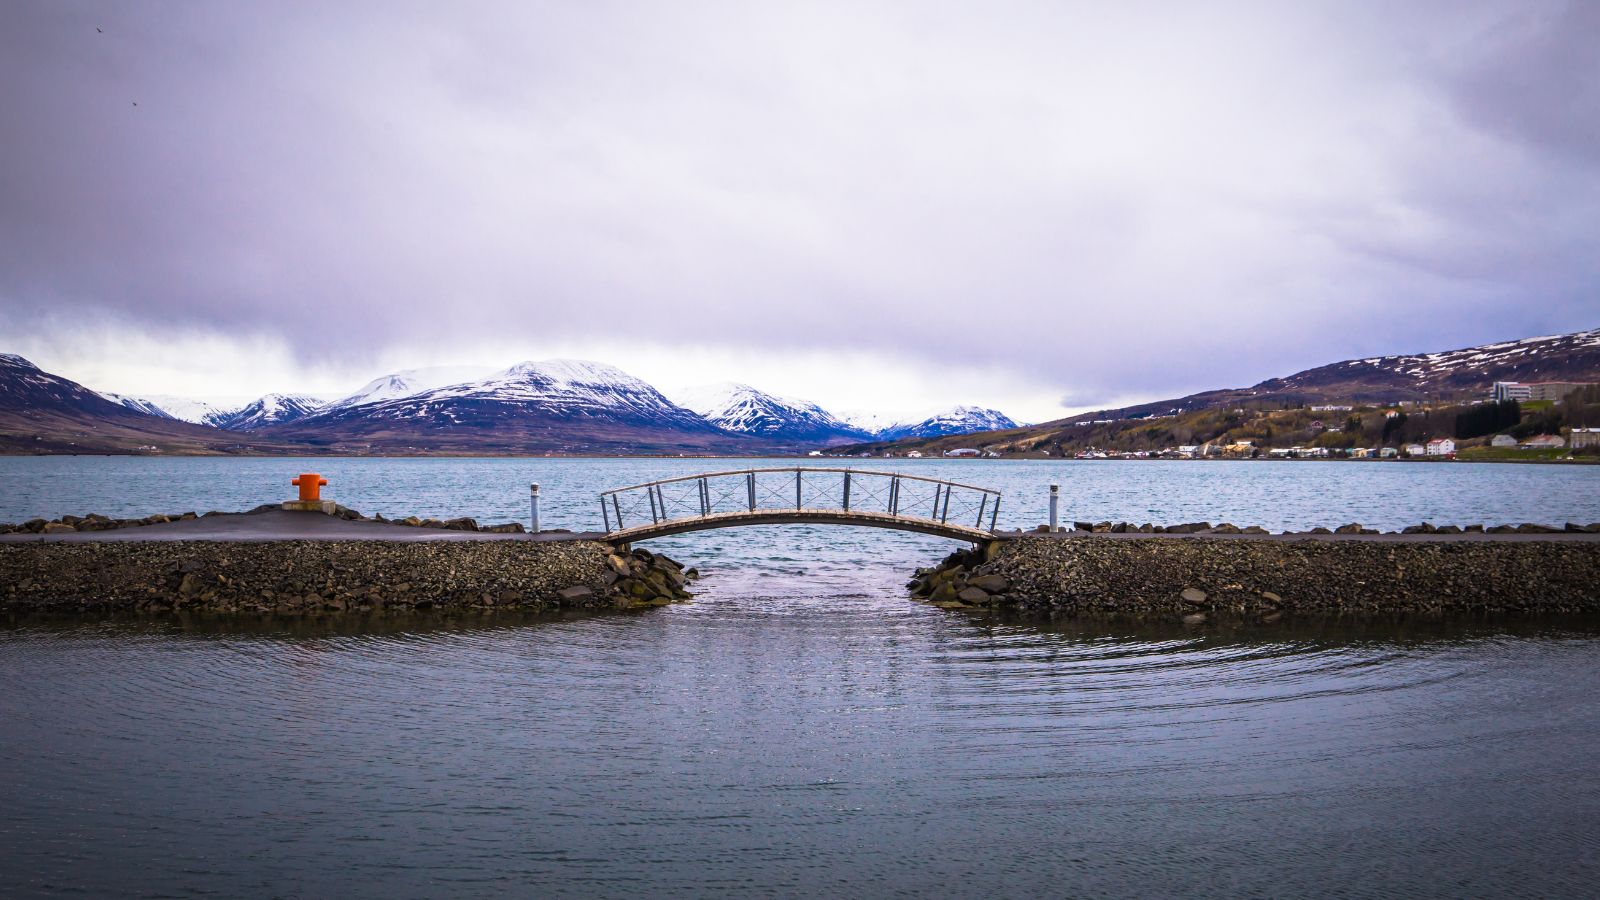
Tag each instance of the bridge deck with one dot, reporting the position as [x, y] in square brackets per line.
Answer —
[801, 517]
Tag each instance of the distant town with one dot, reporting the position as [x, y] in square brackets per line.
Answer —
[1517, 421]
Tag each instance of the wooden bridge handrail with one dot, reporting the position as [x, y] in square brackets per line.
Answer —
[827, 469]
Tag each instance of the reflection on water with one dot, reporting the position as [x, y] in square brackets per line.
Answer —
[801, 728]
[798, 734]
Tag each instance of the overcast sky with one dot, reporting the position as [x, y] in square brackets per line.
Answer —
[1042, 207]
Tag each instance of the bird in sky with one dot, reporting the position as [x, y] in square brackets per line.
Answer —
[99, 30]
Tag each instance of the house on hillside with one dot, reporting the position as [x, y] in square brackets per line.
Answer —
[1585, 437]
[1544, 442]
[914, 454]
[1388, 453]
[1441, 447]
[1502, 440]
[1415, 449]
[961, 451]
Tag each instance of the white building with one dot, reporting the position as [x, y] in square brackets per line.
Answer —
[1545, 442]
[1511, 390]
[1585, 437]
[1441, 447]
[962, 451]
[1502, 440]
[1415, 449]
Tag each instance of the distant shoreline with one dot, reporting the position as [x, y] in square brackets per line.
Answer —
[1581, 461]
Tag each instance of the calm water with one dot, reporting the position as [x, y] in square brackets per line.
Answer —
[801, 728]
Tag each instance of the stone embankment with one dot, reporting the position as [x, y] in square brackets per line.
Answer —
[1351, 528]
[302, 577]
[1239, 576]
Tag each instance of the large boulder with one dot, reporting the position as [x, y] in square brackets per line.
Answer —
[993, 584]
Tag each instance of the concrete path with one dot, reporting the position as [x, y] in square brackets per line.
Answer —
[278, 525]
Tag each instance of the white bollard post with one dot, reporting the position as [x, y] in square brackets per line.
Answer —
[1055, 507]
[533, 496]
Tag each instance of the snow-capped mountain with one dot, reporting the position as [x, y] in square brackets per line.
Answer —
[137, 404]
[565, 388]
[24, 387]
[1468, 373]
[742, 409]
[1573, 356]
[407, 383]
[45, 413]
[199, 412]
[560, 405]
[957, 420]
[272, 409]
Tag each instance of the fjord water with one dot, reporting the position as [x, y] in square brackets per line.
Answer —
[802, 728]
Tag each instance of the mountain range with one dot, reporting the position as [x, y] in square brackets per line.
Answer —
[554, 406]
[1446, 376]
[577, 407]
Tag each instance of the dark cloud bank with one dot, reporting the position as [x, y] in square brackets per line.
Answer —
[1145, 199]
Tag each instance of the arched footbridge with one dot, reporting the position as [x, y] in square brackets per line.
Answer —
[800, 495]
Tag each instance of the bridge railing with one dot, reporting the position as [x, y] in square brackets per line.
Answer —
[799, 488]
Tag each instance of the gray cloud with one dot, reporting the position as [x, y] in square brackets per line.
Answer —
[1145, 199]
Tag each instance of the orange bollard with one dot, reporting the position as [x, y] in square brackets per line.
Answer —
[311, 485]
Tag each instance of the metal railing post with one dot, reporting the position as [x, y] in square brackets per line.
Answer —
[944, 516]
[847, 490]
[533, 502]
[798, 500]
[650, 492]
[983, 507]
[894, 496]
[605, 514]
[750, 483]
[705, 498]
[996, 514]
[935, 513]
[1055, 507]
[617, 506]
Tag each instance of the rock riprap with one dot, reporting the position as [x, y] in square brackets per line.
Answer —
[1349, 528]
[299, 576]
[1195, 577]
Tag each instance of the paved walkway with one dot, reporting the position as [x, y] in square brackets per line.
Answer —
[278, 525]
